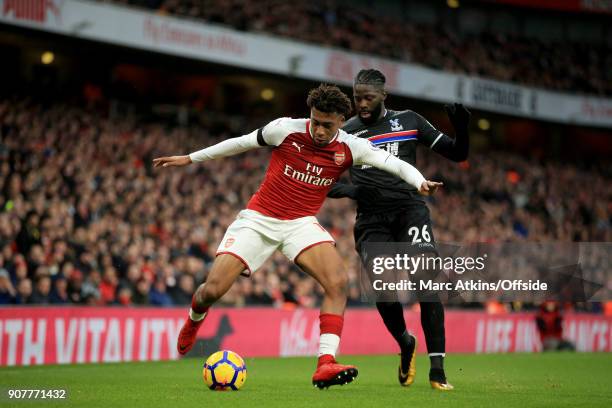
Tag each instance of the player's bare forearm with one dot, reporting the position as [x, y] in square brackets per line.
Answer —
[172, 161]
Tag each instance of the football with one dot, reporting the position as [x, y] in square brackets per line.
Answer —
[224, 370]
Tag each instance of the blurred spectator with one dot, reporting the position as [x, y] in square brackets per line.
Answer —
[141, 295]
[24, 292]
[59, 295]
[7, 291]
[75, 286]
[90, 291]
[255, 294]
[549, 321]
[158, 296]
[42, 292]
[30, 233]
[108, 287]
[182, 293]
[131, 280]
[124, 297]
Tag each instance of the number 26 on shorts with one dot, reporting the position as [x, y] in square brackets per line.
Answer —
[424, 234]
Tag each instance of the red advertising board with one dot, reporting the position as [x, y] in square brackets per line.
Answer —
[56, 335]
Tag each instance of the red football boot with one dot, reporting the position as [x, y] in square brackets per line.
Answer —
[187, 336]
[332, 373]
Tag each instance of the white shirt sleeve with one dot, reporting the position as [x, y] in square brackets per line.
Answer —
[272, 134]
[275, 132]
[227, 147]
[366, 153]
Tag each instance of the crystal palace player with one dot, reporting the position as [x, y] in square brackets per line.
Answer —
[308, 156]
[389, 210]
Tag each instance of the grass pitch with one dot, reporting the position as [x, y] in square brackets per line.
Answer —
[500, 380]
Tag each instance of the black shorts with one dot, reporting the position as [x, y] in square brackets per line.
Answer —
[411, 224]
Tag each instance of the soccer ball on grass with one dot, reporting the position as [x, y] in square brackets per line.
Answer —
[224, 370]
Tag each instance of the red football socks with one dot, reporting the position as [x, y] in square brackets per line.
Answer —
[331, 329]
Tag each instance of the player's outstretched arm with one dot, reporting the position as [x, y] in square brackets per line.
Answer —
[225, 148]
[365, 153]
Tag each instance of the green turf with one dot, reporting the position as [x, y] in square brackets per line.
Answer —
[508, 380]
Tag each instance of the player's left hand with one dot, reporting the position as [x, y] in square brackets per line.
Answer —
[458, 115]
[429, 187]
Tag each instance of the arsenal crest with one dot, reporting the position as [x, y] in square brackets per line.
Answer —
[229, 242]
[339, 157]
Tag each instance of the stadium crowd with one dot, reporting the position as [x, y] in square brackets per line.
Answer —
[558, 65]
[85, 219]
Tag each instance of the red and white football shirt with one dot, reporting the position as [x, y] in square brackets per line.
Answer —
[301, 173]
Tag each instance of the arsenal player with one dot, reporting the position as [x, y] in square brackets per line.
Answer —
[308, 156]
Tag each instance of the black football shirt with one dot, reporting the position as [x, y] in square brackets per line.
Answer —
[398, 132]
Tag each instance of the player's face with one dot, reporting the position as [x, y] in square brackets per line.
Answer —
[324, 126]
[369, 102]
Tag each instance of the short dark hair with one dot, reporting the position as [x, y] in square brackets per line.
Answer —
[370, 77]
[329, 99]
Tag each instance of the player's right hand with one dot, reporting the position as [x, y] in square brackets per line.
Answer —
[429, 187]
[177, 161]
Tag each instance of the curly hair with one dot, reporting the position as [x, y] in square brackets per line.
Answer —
[329, 99]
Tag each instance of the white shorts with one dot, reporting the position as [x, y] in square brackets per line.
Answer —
[253, 237]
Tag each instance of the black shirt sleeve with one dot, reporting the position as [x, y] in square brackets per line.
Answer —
[453, 149]
[427, 133]
[341, 190]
